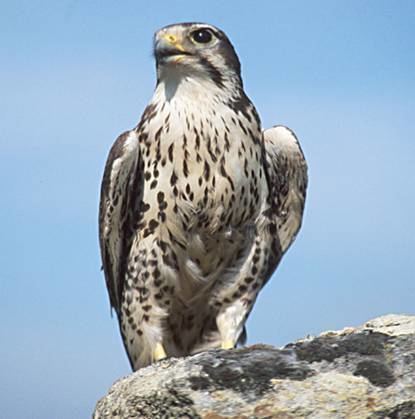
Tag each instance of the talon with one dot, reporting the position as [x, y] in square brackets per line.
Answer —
[159, 352]
[227, 344]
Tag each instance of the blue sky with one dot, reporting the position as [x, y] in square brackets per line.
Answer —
[75, 74]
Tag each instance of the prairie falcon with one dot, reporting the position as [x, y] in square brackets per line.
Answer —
[198, 204]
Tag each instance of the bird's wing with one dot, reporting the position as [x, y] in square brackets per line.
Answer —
[119, 207]
[287, 182]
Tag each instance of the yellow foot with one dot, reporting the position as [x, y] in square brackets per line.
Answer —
[227, 344]
[159, 352]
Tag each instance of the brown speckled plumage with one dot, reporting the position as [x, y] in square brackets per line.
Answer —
[198, 205]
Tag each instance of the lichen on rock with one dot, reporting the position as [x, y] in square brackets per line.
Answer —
[364, 372]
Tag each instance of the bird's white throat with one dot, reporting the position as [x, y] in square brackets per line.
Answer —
[190, 84]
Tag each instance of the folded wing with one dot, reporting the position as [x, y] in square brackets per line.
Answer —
[119, 208]
[287, 182]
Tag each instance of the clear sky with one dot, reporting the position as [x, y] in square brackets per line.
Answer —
[75, 74]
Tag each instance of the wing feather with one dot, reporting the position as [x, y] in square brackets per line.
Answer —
[287, 182]
[119, 206]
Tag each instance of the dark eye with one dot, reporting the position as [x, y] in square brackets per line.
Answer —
[202, 36]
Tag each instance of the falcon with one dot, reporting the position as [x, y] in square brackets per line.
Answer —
[198, 204]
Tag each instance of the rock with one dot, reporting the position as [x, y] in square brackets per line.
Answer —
[364, 372]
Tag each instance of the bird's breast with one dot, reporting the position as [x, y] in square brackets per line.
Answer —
[206, 171]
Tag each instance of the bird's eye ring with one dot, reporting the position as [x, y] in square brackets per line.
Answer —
[202, 36]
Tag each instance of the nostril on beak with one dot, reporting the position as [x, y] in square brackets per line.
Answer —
[171, 38]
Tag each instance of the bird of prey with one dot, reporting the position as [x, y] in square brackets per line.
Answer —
[198, 203]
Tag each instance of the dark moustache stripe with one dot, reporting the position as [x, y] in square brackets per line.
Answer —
[214, 73]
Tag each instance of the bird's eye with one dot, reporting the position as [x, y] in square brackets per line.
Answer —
[202, 36]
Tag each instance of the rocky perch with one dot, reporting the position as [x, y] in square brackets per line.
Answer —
[364, 372]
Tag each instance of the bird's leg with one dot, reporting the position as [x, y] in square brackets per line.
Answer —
[236, 300]
[230, 322]
[159, 352]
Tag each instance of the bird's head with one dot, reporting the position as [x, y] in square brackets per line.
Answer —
[196, 50]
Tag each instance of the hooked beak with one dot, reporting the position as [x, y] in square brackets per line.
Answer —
[169, 48]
